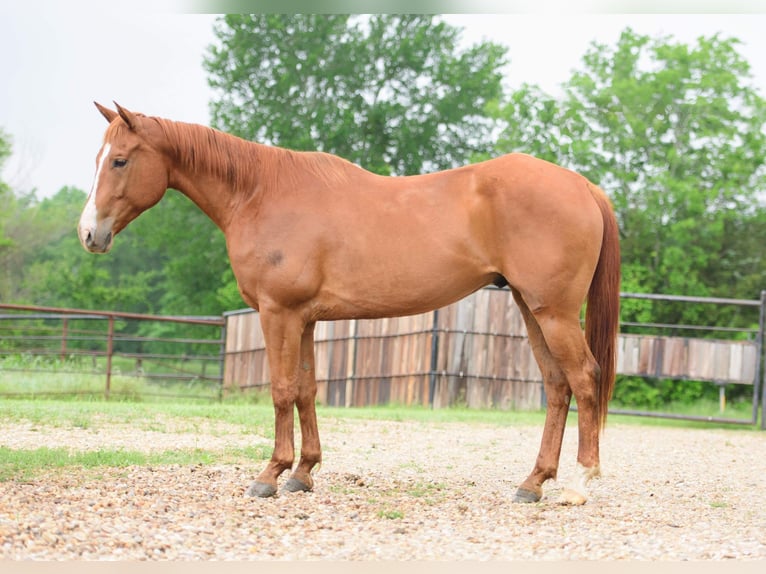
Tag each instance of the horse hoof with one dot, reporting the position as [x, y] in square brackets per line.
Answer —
[525, 496]
[261, 490]
[570, 497]
[295, 485]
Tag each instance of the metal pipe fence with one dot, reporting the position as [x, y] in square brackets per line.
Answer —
[753, 334]
[83, 352]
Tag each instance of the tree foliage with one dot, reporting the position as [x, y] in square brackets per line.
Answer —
[46, 265]
[5, 190]
[392, 93]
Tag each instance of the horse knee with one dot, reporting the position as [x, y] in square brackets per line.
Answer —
[283, 397]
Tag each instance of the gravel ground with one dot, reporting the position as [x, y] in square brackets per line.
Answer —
[394, 491]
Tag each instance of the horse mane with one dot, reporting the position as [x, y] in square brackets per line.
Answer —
[246, 165]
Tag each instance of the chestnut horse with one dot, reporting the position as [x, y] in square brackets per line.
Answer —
[312, 237]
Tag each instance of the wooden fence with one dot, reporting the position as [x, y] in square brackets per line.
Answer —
[474, 352]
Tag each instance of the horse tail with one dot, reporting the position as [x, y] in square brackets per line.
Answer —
[602, 315]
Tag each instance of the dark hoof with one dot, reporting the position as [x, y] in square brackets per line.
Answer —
[526, 496]
[261, 490]
[295, 485]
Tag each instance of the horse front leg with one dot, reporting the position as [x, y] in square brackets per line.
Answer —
[282, 333]
[311, 451]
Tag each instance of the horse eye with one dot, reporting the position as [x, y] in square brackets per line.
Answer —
[119, 162]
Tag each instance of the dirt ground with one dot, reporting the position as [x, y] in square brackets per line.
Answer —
[393, 491]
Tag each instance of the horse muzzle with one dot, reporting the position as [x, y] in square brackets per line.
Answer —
[96, 239]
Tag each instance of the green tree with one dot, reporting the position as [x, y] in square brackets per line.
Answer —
[390, 92]
[189, 252]
[675, 134]
[47, 265]
[17, 241]
[5, 190]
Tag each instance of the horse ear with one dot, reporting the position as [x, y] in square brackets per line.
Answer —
[106, 112]
[128, 117]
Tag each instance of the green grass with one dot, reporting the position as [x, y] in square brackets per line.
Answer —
[446, 415]
[91, 414]
[20, 464]
[533, 418]
[391, 514]
[45, 376]
[25, 464]
[260, 415]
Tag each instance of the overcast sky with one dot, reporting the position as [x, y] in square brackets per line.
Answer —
[55, 62]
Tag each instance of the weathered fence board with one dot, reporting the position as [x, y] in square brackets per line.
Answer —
[683, 358]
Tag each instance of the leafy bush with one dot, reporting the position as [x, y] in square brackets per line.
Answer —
[656, 394]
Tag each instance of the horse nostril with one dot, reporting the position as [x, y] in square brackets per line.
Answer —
[89, 239]
[108, 239]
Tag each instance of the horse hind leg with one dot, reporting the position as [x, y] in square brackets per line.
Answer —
[567, 347]
[558, 396]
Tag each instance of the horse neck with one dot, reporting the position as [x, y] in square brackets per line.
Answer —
[213, 169]
[220, 172]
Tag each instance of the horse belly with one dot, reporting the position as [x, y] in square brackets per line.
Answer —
[404, 278]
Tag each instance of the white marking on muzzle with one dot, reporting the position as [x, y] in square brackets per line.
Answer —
[89, 217]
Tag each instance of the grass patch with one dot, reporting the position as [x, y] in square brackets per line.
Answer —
[391, 514]
[398, 413]
[430, 493]
[424, 489]
[501, 418]
[25, 464]
[76, 378]
[92, 414]
[259, 417]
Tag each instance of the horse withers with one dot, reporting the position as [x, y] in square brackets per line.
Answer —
[312, 237]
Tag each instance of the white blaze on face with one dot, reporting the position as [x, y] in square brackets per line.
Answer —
[89, 217]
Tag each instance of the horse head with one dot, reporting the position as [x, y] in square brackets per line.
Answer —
[131, 176]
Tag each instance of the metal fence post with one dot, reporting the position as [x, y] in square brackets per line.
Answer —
[350, 390]
[222, 360]
[434, 358]
[109, 352]
[64, 332]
